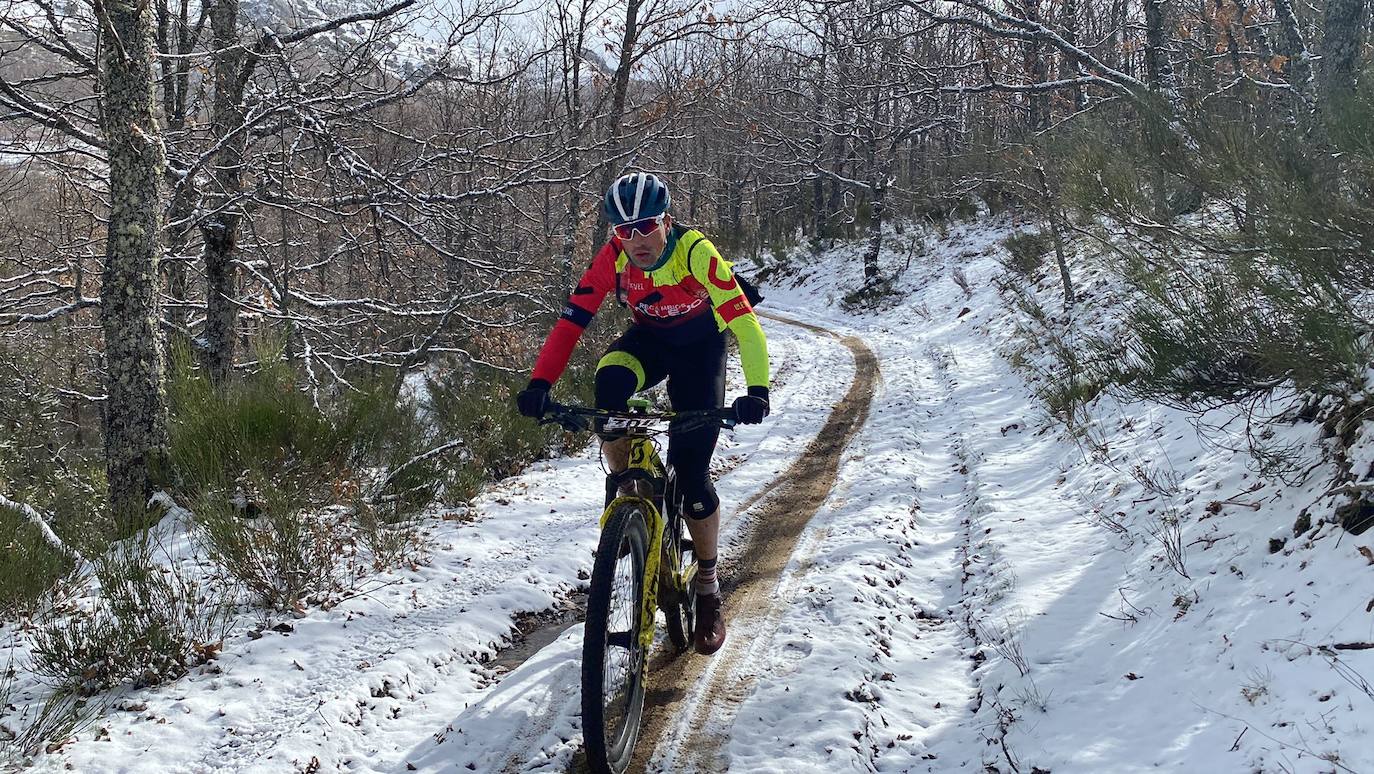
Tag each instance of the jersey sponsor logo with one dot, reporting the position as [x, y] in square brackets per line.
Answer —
[713, 274]
[666, 311]
[736, 307]
[577, 315]
[665, 302]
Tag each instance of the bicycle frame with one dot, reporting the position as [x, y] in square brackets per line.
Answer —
[644, 458]
[645, 464]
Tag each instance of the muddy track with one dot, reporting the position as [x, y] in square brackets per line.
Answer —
[684, 690]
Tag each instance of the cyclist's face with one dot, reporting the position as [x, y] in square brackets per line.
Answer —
[644, 249]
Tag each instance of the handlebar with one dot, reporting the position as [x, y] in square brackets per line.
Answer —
[575, 418]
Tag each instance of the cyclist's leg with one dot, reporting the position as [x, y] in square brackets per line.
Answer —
[631, 364]
[696, 380]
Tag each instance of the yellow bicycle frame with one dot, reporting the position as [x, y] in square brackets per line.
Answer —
[644, 456]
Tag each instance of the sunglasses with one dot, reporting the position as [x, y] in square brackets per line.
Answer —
[643, 227]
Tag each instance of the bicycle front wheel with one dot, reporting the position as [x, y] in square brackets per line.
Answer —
[613, 658]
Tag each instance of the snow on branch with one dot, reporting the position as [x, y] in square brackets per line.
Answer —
[50, 315]
[436, 451]
[34, 517]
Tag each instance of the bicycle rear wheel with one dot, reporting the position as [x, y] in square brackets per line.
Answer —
[679, 603]
[613, 658]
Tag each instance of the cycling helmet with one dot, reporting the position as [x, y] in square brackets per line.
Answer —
[636, 196]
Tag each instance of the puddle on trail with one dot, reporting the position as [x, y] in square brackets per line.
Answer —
[536, 631]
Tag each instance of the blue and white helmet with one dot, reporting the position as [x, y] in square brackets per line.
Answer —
[636, 196]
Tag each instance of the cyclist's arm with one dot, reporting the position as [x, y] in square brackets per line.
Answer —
[586, 298]
[733, 309]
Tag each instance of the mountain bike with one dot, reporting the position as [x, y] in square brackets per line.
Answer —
[644, 563]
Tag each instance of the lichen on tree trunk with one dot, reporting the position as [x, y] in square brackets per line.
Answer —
[135, 412]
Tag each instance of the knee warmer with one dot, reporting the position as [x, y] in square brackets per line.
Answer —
[699, 499]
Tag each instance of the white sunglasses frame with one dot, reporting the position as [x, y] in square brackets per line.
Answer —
[658, 220]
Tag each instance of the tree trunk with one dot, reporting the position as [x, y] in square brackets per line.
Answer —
[220, 228]
[1342, 25]
[818, 213]
[1068, 68]
[1159, 72]
[1053, 216]
[878, 209]
[181, 215]
[1037, 71]
[572, 85]
[135, 411]
[174, 36]
[621, 88]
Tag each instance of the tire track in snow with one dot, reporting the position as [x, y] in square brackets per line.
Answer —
[675, 733]
[869, 640]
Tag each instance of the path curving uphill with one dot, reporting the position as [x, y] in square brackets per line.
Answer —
[691, 698]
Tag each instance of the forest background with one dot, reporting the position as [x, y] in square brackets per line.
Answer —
[290, 261]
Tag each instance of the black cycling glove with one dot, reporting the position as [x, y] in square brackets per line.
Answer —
[752, 408]
[533, 401]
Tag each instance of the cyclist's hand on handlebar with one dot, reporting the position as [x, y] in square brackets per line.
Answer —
[533, 401]
[752, 408]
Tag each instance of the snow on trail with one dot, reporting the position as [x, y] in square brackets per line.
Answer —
[684, 730]
[871, 669]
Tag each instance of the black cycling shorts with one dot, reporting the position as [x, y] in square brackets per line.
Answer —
[695, 371]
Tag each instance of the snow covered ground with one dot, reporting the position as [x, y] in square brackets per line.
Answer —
[982, 590]
[992, 592]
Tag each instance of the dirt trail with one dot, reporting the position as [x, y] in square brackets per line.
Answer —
[681, 692]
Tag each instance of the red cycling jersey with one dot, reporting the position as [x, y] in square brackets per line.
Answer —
[676, 301]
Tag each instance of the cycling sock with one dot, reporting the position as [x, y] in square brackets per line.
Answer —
[706, 577]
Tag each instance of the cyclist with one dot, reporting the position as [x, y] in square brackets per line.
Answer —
[682, 295]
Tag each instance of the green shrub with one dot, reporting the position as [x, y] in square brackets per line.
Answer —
[477, 408]
[874, 295]
[1227, 340]
[1067, 393]
[286, 490]
[28, 565]
[42, 466]
[389, 531]
[148, 624]
[1267, 286]
[27, 730]
[283, 553]
[288, 486]
[260, 425]
[1026, 251]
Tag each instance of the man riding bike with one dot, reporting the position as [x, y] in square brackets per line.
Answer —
[683, 295]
